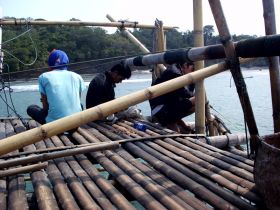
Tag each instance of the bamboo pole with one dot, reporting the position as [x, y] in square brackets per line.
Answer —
[159, 46]
[199, 86]
[24, 22]
[221, 23]
[24, 169]
[134, 40]
[59, 148]
[270, 28]
[250, 48]
[59, 154]
[99, 112]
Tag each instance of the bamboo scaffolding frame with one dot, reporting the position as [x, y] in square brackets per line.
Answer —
[236, 72]
[23, 22]
[270, 28]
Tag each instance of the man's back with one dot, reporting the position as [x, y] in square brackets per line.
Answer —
[62, 89]
[100, 90]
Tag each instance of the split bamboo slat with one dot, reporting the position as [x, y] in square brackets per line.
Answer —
[157, 171]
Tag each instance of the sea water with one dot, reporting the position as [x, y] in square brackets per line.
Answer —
[220, 90]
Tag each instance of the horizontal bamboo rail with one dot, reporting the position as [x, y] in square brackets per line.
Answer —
[24, 22]
[61, 148]
[250, 48]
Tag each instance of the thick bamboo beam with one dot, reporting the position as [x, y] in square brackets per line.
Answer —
[99, 112]
[235, 69]
[199, 86]
[250, 48]
[270, 28]
[24, 22]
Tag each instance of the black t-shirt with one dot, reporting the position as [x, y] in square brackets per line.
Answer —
[100, 90]
[170, 73]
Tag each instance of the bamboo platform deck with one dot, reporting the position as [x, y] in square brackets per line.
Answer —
[167, 173]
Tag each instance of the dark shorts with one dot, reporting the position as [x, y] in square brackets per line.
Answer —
[174, 111]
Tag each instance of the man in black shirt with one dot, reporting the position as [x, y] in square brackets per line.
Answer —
[101, 87]
[169, 109]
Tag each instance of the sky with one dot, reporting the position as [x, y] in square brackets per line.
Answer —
[243, 16]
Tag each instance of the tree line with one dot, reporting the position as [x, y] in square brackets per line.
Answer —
[89, 46]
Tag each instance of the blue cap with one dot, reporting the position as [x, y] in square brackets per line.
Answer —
[58, 59]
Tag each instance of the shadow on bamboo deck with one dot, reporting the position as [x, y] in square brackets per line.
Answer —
[160, 173]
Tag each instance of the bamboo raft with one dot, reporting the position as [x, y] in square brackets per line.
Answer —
[157, 173]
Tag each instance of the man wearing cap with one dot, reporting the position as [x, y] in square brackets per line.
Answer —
[60, 90]
[169, 109]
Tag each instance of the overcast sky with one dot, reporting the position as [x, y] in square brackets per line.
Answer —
[243, 16]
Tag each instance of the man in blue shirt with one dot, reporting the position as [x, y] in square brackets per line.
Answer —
[60, 91]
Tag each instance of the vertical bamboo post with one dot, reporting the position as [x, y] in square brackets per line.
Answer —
[199, 86]
[270, 28]
[229, 47]
[158, 46]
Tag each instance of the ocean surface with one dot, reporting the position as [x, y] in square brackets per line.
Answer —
[220, 90]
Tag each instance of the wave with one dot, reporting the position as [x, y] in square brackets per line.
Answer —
[35, 88]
